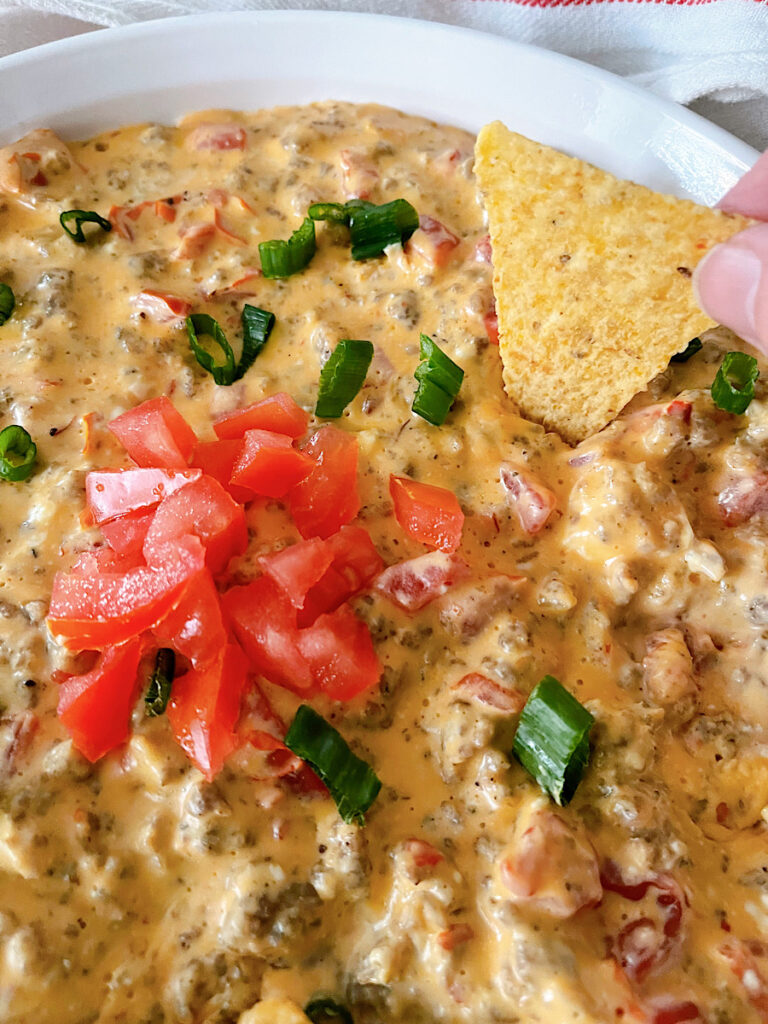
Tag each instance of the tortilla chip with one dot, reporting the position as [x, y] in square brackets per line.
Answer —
[591, 277]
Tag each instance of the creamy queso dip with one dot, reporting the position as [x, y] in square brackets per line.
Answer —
[134, 891]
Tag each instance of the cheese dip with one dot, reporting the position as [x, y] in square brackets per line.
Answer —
[632, 568]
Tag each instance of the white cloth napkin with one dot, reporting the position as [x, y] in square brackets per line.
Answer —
[711, 54]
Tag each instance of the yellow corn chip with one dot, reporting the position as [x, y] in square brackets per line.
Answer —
[591, 277]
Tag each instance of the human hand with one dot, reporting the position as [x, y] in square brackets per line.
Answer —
[731, 282]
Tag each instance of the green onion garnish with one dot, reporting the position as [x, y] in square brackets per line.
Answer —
[202, 325]
[7, 302]
[321, 1010]
[342, 376]
[734, 386]
[693, 346]
[373, 228]
[352, 783]
[81, 217]
[337, 213]
[281, 258]
[552, 739]
[17, 453]
[439, 382]
[257, 325]
[159, 690]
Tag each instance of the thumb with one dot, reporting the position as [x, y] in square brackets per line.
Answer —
[731, 285]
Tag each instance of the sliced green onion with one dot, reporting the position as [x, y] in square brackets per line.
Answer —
[321, 1010]
[7, 302]
[352, 783]
[373, 228]
[201, 325]
[159, 690]
[342, 376]
[282, 258]
[257, 327]
[439, 383]
[552, 739]
[693, 346]
[734, 386]
[438, 368]
[432, 403]
[81, 217]
[17, 453]
[337, 213]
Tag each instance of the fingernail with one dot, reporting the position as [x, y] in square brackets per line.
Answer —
[726, 283]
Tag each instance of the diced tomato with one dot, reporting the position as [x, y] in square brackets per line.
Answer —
[113, 493]
[269, 464]
[217, 459]
[339, 651]
[203, 509]
[491, 324]
[355, 563]
[422, 853]
[327, 497]
[195, 627]
[194, 241]
[100, 610]
[483, 253]
[218, 220]
[359, 175]
[155, 434]
[680, 409]
[162, 307]
[744, 498]
[454, 935]
[95, 708]
[260, 725]
[532, 501]
[676, 1013]
[166, 210]
[413, 584]
[265, 624]
[433, 241]
[278, 413]
[429, 514]
[125, 535]
[488, 691]
[296, 569]
[99, 560]
[204, 707]
[744, 966]
[216, 136]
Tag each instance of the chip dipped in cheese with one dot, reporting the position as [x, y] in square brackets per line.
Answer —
[592, 278]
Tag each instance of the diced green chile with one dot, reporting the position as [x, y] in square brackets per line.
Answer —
[80, 217]
[161, 681]
[342, 376]
[734, 386]
[7, 302]
[352, 783]
[17, 453]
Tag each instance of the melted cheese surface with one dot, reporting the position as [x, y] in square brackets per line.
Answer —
[132, 890]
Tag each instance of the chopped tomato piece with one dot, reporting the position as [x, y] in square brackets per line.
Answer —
[113, 493]
[491, 324]
[125, 535]
[204, 707]
[162, 307]
[339, 651]
[429, 514]
[483, 253]
[413, 584]
[217, 459]
[95, 708]
[488, 691]
[269, 464]
[194, 241]
[216, 136]
[680, 409]
[265, 624]
[454, 935]
[355, 563]
[296, 569]
[327, 497]
[422, 853]
[195, 627]
[744, 966]
[90, 612]
[106, 560]
[359, 174]
[744, 498]
[676, 1013]
[155, 434]
[278, 413]
[532, 501]
[203, 509]
[433, 241]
